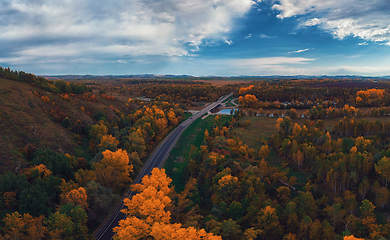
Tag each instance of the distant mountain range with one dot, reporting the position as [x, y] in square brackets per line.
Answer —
[154, 76]
[83, 77]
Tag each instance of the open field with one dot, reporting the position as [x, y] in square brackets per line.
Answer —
[260, 128]
[299, 111]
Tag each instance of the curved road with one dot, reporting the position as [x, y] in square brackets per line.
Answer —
[157, 159]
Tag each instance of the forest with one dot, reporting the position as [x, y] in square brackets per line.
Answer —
[321, 172]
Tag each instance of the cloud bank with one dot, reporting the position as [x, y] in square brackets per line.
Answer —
[368, 20]
[57, 31]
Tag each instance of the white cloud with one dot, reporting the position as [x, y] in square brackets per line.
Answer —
[265, 36]
[229, 42]
[368, 20]
[248, 66]
[299, 51]
[249, 35]
[271, 61]
[50, 30]
[300, 66]
[270, 66]
[312, 22]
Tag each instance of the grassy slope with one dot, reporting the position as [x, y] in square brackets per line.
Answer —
[178, 158]
[24, 118]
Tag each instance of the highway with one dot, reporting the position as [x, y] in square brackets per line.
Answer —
[157, 159]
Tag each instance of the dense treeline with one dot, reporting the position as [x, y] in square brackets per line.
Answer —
[31, 199]
[319, 112]
[241, 193]
[43, 83]
[355, 169]
[137, 131]
[158, 82]
[303, 183]
[185, 93]
[195, 93]
[59, 196]
[272, 95]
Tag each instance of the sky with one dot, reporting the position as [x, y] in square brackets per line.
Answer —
[196, 37]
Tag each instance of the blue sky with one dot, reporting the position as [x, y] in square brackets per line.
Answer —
[196, 37]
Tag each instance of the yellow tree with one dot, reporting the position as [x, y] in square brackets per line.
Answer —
[84, 176]
[172, 118]
[42, 169]
[226, 189]
[162, 125]
[96, 133]
[146, 208]
[176, 232]
[264, 152]
[77, 197]
[283, 125]
[351, 237]
[290, 236]
[113, 170]
[268, 222]
[206, 135]
[296, 129]
[66, 187]
[383, 169]
[249, 101]
[147, 215]
[252, 233]
[108, 142]
[23, 226]
[136, 142]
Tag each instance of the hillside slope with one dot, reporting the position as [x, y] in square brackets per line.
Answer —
[26, 118]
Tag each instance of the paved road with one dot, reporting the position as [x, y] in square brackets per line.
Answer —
[157, 159]
[233, 102]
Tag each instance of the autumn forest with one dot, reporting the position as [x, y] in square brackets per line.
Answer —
[295, 159]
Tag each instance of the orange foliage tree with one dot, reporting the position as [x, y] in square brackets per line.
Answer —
[368, 96]
[45, 99]
[42, 170]
[248, 101]
[244, 89]
[23, 226]
[96, 134]
[113, 170]
[77, 197]
[147, 215]
[162, 125]
[351, 237]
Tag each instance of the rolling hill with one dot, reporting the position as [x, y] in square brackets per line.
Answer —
[26, 119]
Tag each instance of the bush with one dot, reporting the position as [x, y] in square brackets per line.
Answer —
[66, 123]
[99, 116]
